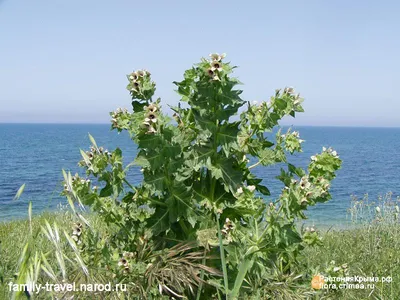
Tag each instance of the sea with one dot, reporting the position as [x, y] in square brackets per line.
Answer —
[36, 154]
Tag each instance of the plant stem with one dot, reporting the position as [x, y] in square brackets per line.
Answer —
[203, 262]
[223, 262]
[255, 165]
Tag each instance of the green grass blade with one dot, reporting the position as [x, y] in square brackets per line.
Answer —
[30, 216]
[19, 193]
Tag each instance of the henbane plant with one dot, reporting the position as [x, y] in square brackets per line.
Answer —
[198, 185]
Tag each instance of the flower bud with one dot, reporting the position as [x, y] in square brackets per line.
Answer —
[251, 188]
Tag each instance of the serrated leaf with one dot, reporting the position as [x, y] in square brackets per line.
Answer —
[224, 170]
[227, 136]
[161, 222]
[179, 201]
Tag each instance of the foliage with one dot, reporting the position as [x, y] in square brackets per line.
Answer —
[197, 226]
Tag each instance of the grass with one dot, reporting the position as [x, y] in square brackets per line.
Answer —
[368, 249]
[15, 235]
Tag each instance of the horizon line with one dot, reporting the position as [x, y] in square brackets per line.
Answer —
[282, 125]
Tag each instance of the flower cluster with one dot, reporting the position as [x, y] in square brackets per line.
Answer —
[116, 115]
[94, 151]
[290, 91]
[292, 141]
[76, 180]
[310, 229]
[123, 263]
[136, 79]
[140, 85]
[250, 188]
[94, 155]
[77, 232]
[228, 226]
[308, 189]
[215, 66]
[150, 120]
[330, 151]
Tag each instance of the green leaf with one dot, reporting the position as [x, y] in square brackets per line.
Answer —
[227, 136]
[155, 181]
[150, 141]
[85, 158]
[244, 266]
[179, 201]
[224, 170]
[263, 190]
[93, 141]
[161, 221]
[280, 103]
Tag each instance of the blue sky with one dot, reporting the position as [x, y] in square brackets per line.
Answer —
[65, 61]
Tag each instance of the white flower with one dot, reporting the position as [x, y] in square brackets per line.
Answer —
[134, 76]
[335, 269]
[334, 153]
[216, 65]
[323, 149]
[239, 191]
[135, 85]
[217, 57]
[123, 262]
[152, 108]
[304, 184]
[151, 130]
[378, 209]
[313, 158]
[251, 188]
